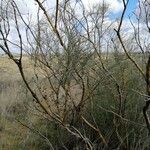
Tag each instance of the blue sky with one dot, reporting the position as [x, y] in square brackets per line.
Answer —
[131, 7]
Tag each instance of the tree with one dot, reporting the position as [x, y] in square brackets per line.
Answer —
[59, 52]
[77, 85]
[142, 48]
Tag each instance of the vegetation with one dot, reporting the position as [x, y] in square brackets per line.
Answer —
[75, 82]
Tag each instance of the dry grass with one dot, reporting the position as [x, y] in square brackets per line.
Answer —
[10, 80]
[11, 133]
[9, 70]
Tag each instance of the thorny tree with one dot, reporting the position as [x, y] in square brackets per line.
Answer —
[144, 49]
[58, 46]
[69, 50]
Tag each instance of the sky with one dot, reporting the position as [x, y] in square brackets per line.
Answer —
[131, 7]
[116, 7]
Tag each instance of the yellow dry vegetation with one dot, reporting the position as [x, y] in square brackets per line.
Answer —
[9, 70]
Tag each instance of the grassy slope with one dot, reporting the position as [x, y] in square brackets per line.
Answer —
[11, 132]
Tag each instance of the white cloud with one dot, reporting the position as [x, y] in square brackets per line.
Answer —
[27, 7]
[115, 5]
